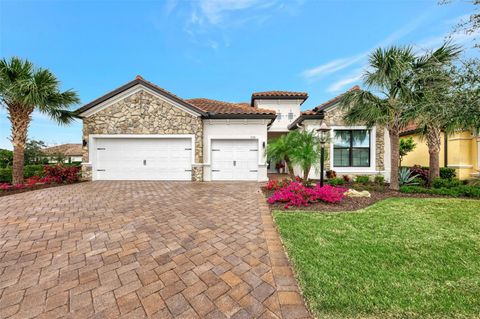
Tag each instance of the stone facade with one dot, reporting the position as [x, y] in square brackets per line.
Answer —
[144, 113]
[335, 117]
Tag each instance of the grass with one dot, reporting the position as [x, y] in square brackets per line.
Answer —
[399, 258]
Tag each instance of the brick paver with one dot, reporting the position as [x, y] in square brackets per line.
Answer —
[138, 249]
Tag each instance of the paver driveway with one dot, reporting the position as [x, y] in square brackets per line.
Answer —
[137, 249]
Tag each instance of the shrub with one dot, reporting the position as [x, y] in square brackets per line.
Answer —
[457, 191]
[296, 194]
[420, 171]
[419, 181]
[447, 183]
[362, 179]
[346, 178]
[331, 174]
[379, 179]
[447, 173]
[406, 176]
[336, 181]
[277, 184]
[28, 171]
[61, 173]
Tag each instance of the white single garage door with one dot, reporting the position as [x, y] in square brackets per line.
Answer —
[234, 160]
[143, 159]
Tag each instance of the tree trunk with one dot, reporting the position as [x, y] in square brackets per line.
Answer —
[20, 118]
[433, 142]
[306, 171]
[290, 167]
[394, 158]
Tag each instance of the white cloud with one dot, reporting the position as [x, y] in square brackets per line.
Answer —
[214, 10]
[331, 67]
[339, 85]
[342, 63]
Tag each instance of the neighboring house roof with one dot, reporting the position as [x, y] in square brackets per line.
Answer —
[317, 112]
[142, 81]
[65, 149]
[409, 129]
[205, 107]
[278, 95]
[219, 107]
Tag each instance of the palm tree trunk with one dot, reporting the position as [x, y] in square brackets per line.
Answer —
[306, 171]
[394, 158]
[433, 142]
[290, 167]
[20, 118]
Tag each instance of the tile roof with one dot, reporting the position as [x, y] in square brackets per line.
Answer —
[334, 100]
[220, 107]
[65, 149]
[285, 94]
[409, 128]
[138, 80]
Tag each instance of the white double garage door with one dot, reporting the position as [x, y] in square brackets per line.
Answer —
[171, 159]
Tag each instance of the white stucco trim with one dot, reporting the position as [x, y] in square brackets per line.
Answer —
[373, 146]
[135, 89]
[93, 137]
[459, 166]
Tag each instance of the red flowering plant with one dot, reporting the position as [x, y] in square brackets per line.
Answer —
[296, 194]
[277, 183]
[60, 173]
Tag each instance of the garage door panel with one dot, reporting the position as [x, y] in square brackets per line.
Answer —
[143, 159]
[234, 159]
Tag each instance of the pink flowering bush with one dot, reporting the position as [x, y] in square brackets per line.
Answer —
[296, 194]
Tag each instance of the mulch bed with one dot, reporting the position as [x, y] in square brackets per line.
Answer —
[33, 188]
[348, 203]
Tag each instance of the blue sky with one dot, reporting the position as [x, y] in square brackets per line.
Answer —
[220, 49]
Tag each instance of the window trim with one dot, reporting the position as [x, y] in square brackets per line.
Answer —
[372, 154]
[351, 147]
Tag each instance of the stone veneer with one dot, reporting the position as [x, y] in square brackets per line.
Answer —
[144, 113]
[335, 117]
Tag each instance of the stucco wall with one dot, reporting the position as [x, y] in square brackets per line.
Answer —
[143, 113]
[235, 129]
[284, 107]
[462, 150]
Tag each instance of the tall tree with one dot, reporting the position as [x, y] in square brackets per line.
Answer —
[434, 104]
[23, 89]
[391, 74]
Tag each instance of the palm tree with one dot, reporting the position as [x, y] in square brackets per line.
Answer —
[306, 152]
[23, 89]
[435, 104]
[280, 150]
[391, 74]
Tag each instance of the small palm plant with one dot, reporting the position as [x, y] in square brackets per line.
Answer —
[279, 150]
[306, 152]
[23, 89]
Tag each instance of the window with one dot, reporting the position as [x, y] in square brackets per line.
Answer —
[279, 115]
[351, 148]
[290, 115]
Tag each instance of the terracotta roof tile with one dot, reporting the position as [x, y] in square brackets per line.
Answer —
[274, 94]
[409, 128]
[220, 107]
[65, 149]
[334, 100]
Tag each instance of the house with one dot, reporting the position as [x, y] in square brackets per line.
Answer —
[140, 131]
[352, 150]
[460, 150]
[66, 153]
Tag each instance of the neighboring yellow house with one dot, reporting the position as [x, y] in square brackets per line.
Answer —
[460, 151]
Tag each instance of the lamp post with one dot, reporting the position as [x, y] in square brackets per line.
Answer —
[323, 134]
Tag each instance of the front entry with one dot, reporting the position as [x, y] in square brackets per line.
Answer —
[234, 160]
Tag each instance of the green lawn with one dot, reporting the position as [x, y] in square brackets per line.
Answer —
[399, 258]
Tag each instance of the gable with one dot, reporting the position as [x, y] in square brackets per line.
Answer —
[134, 87]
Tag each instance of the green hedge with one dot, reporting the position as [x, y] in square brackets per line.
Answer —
[28, 171]
[456, 191]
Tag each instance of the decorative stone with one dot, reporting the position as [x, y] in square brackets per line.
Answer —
[354, 193]
[144, 113]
